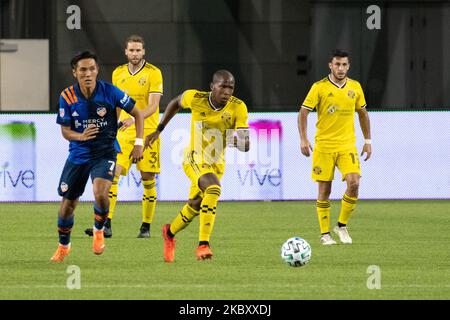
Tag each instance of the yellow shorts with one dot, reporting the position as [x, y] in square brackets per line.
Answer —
[194, 171]
[151, 156]
[323, 164]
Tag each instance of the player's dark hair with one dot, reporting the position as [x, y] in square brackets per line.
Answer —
[134, 38]
[82, 55]
[339, 53]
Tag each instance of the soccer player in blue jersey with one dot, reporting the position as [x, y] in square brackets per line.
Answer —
[88, 119]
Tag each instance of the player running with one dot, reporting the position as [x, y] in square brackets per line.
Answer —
[88, 119]
[213, 114]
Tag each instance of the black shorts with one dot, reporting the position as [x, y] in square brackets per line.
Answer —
[75, 176]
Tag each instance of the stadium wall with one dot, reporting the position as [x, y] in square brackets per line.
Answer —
[410, 160]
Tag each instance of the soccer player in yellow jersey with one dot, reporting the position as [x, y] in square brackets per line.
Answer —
[143, 82]
[216, 117]
[335, 98]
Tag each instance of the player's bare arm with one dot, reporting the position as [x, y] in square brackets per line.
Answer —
[153, 103]
[136, 153]
[88, 134]
[305, 145]
[364, 122]
[172, 109]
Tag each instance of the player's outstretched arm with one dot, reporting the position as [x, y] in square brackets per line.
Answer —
[364, 122]
[172, 109]
[88, 134]
[302, 122]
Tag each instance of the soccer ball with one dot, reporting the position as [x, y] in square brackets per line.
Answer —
[296, 252]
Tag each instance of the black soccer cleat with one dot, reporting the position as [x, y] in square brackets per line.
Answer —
[144, 232]
[89, 232]
[107, 232]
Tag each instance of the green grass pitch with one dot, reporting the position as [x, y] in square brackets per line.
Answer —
[408, 241]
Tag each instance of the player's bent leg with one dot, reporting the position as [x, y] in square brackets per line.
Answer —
[148, 203]
[112, 195]
[186, 215]
[181, 221]
[71, 186]
[65, 224]
[210, 185]
[101, 209]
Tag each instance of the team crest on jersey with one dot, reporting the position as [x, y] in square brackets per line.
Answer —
[226, 117]
[62, 113]
[101, 111]
[351, 94]
[142, 81]
[317, 170]
[64, 187]
[332, 109]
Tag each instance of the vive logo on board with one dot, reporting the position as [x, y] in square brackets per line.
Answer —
[16, 179]
[267, 176]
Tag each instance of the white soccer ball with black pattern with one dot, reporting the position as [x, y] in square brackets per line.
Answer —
[296, 252]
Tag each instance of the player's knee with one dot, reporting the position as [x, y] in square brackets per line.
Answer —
[147, 176]
[324, 194]
[67, 207]
[214, 189]
[101, 197]
[195, 203]
[353, 185]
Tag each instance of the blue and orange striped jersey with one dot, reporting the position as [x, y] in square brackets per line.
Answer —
[77, 112]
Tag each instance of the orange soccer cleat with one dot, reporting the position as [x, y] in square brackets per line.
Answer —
[98, 244]
[203, 252]
[60, 253]
[169, 245]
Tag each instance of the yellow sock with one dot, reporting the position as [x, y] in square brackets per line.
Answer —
[148, 200]
[348, 204]
[323, 214]
[208, 212]
[183, 219]
[113, 197]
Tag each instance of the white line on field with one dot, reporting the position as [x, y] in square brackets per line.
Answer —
[205, 286]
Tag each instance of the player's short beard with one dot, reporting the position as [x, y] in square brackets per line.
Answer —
[337, 76]
[137, 63]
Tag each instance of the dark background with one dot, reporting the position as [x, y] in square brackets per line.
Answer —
[275, 48]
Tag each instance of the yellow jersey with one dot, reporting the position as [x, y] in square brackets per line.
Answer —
[209, 126]
[335, 106]
[138, 86]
